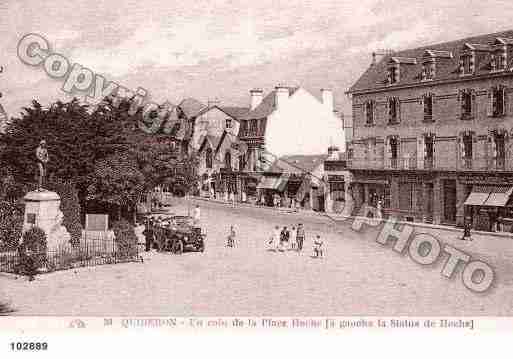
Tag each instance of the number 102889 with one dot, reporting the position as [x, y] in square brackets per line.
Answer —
[28, 346]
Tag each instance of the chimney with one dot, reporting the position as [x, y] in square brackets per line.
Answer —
[327, 99]
[256, 98]
[281, 95]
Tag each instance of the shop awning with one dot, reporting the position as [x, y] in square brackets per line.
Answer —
[478, 196]
[493, 196]
[499, 196]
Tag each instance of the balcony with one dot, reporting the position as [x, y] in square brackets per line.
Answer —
[477, 164]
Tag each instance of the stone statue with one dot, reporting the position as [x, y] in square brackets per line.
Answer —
[42, 160]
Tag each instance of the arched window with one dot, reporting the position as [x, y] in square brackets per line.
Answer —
[208, 158]
[228, 160]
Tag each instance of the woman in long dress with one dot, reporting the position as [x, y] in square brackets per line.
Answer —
[274, 243]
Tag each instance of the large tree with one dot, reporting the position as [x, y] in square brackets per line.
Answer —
[100, 150]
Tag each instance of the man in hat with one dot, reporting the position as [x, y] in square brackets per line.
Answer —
[42, 160]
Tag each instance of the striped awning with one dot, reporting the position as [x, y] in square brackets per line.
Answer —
[499, 196]
[493, 196]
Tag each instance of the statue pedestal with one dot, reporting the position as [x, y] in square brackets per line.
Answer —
[42, 209]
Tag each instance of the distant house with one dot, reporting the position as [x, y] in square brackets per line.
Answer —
[288, 121]
[295, 179]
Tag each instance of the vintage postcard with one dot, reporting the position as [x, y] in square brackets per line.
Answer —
[264, 166]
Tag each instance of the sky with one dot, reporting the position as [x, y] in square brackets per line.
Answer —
[219, 50]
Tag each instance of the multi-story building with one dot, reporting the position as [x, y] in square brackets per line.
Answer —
[287, 121]
[432, 132]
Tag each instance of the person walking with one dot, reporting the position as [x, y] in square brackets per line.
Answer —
[300, 237]
[293, 238]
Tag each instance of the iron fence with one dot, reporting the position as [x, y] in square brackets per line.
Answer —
[88, 253]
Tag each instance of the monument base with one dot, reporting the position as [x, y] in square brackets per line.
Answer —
[42, 209]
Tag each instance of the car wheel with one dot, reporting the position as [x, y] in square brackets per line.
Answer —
[201, 247]
[178, 246]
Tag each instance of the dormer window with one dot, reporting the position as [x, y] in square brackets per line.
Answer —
[428, 71]
[228, 123]
[467, 64]
[498, 61]
[393, 75]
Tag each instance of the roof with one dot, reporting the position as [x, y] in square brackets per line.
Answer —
[191, 107]
[267, 106]
[235, 143]
[234, 111]
[446, 68]
[298, 164]
[210, 139]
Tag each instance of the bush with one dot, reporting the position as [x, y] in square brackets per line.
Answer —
[70, 207]
[11, 223]
[125, 238]
[32, 251]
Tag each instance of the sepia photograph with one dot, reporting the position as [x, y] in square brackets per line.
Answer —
[299, 165]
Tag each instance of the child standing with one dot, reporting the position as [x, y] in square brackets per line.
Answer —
[231, 238]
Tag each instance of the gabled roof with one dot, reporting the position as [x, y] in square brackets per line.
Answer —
[233, 140]
[298, 164]
[234, 111]
[374, 77]
[190, 107]
[213, 141]
[267, 106]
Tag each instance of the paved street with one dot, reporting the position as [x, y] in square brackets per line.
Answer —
[357, 277]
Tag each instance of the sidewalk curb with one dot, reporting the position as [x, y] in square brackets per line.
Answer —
[336, 217]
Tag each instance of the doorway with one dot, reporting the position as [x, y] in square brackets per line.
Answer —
[449, 198]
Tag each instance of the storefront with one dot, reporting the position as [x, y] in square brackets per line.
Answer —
[271, 189]
[488, 208]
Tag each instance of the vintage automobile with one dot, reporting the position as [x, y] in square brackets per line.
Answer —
[178, 234]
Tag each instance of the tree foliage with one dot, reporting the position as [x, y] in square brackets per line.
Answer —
[100, 150]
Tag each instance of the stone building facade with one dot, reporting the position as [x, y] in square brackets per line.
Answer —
[432, 131]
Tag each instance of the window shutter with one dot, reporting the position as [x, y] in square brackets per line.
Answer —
[462, 147]
[398, 110]
[365, 112]
[472, 63]
[374, 113]
[387, 109]
[473, 103]
[493, 146]
[421, 151]
[474, 146]
[460, 102]
[490, 102]
[461, 66]
[504, 100]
